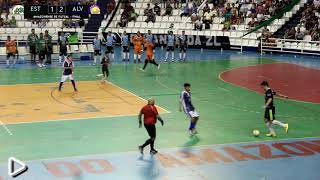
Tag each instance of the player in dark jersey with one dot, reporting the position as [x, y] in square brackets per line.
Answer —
[182, 46]
[32, 41]
[150, 116]
[41, 50]
[270, 110]
[49, 46]
[105, 68]
[63, 43]
[68, 67]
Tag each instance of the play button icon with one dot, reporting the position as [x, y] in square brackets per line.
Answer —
[16, 167]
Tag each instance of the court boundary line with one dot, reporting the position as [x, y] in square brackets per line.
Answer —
[219, 76]
[6, 128]
[176, 148]
[136, 95]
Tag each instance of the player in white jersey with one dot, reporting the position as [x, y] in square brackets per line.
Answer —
[187, 106]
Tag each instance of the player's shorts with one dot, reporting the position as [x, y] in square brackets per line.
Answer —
[170, 48]
[42, 54]
[151, 129]
[97, 52]
[149, 56]
[269, 114]
[138, 50]
[105, 71]
[192, 114]
[33, 50]
[125, 49]
[110, 50]
[183, 48]
[66, 77]
[10, 55]
[63, 52]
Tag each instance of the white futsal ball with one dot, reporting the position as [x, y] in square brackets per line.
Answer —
[256, 133]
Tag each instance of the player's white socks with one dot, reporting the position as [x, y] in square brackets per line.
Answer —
[184, 56]
[180, 56]
[128, 56]
[124, 56]
[167, 55]
[112, 56]
[8, 62]
[278, 123]
[269, 125]
[139, 57]
[94, 59]
[172, 56]
[60, 59]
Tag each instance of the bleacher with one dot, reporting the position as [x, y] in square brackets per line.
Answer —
[162, 24]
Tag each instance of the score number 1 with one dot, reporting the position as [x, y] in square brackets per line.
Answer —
[56, 10]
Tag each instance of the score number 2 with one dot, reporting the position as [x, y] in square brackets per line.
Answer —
[56, 9]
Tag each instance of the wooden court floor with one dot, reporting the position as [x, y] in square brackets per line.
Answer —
[25, 103]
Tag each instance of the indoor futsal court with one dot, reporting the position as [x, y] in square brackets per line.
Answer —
[93, 134]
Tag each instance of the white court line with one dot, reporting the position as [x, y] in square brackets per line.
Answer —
[176, 148]
[135, 95]
[224, 89]
[6, 128]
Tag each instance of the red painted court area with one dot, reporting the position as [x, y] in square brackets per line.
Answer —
[297, 82]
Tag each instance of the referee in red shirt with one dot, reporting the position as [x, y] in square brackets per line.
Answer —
[150, 116]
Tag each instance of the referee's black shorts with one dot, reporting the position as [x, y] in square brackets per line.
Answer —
[151, 129]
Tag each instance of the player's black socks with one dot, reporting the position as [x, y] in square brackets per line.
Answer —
[60, 86]
[145, 64]
[154, 62]
[152, 145]
[74, 85]
[146, 143]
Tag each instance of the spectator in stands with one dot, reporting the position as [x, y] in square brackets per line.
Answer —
[2, 22]
[185, 11]
[265, 32]
[124, 19]
[81, 23]
[146, 11]
[176, 4]
[13, 22]
[157, 9]
[194, 8]
[252, 23]
[195, 17]
[299, 34]
[207, 17]
[227, 25]
[292, 33]
[133, 16]
[198, 24]
[169, 10]
[206, 8]
[151, 17]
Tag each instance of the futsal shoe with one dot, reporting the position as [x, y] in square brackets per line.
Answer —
[286, 128]
[141, 69]
[271, 135]
[140, 149]
[191, 133]
[153, 152]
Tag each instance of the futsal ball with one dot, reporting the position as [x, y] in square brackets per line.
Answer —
[256, 133]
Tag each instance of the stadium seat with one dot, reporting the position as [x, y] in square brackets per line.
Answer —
[3, 51]
[74, 48]
[22, 51]
[55, 49]
[90, 48]
[2, 31]
[27, 24]
[16, 30]
[9, 30]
